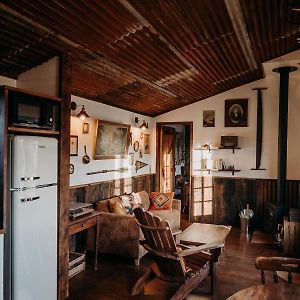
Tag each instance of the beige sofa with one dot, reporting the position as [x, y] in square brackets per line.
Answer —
[119, 235]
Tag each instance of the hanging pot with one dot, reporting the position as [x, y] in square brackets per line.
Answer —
[86, 159]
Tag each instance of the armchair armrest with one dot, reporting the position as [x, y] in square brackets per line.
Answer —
[197, 249]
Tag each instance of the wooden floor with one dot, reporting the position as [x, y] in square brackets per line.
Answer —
[115, 277]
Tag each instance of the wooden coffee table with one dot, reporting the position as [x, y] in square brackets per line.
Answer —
[199, 234]
[274, 291]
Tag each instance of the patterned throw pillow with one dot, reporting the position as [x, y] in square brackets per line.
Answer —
[128, 203]
[161, 201]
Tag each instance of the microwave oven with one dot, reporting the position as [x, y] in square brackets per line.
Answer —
[32, 112]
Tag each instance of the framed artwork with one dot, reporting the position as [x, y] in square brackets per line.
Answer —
[112, 140]
[208, 118]
[236, 113]
[131, 158]
[136, 146]
[146, 143]
[85, 128]
[74, 145]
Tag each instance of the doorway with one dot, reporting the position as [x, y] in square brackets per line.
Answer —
[174, 142]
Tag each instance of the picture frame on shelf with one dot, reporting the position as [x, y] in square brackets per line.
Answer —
[112, 140]
[85, 128]
[209, 118]
[236, 113]
[74, 145]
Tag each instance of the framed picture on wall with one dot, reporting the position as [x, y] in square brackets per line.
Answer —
[112, 140]
[208, 118]
[85, 128]
[236, 113]
[74, 145]
[146, 143]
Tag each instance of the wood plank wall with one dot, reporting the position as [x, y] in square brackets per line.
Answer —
[91, 193]
[226, 193]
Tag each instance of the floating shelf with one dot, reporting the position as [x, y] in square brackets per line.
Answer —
[220, 148]
[32, 131]
[214, 170]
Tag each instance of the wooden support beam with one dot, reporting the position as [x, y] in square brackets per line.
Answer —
[63, 175]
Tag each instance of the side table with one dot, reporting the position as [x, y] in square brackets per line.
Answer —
[84, 223]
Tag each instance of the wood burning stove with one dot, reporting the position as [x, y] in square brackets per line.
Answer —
[274, 215]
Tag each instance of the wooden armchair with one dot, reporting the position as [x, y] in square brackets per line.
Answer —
[173, 263]
[290, 265]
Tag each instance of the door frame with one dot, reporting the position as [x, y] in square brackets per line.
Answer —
[158, 162]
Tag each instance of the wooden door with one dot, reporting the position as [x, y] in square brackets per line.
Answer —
[167, 159]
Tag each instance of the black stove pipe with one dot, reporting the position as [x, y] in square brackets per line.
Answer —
[283, 131]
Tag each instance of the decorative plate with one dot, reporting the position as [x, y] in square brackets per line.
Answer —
[71, 169]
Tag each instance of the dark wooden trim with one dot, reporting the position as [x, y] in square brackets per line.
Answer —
[158, 143]
[259, 127]
[36, 94]
[3, 158]
[65, 69]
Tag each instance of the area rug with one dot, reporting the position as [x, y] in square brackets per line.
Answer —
[262, 237]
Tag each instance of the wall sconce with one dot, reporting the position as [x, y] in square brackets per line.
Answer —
[144, 125]
[82, 114]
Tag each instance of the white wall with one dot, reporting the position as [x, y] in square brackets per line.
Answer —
[42, 79]
[244, 159]
[107, 113]
[8, 81]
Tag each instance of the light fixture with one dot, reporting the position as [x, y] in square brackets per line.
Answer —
[144, 125]
[82, 114]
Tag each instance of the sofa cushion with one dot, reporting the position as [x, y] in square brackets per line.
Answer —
[103, 205]
[145, 201]
[116, 207]
[172, 216]
[161, 201]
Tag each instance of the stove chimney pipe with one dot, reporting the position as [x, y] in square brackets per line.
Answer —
[282, 131]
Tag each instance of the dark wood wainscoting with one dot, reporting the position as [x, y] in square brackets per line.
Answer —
[91, 193]
[217, 199]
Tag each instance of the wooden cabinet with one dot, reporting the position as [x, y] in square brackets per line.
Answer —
[8, 95]
[291, 244]
[1, 266]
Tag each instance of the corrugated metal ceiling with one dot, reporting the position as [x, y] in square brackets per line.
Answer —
[149, 56]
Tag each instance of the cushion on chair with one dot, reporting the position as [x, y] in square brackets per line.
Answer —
[161, 201]
[172, 216]
[145, 201]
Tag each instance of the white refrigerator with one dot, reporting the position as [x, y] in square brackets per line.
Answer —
[33, 218]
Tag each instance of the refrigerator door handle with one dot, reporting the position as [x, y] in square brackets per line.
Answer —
[30, 178]
[30, 199]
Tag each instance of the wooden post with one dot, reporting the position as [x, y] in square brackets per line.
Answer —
[63, 175]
